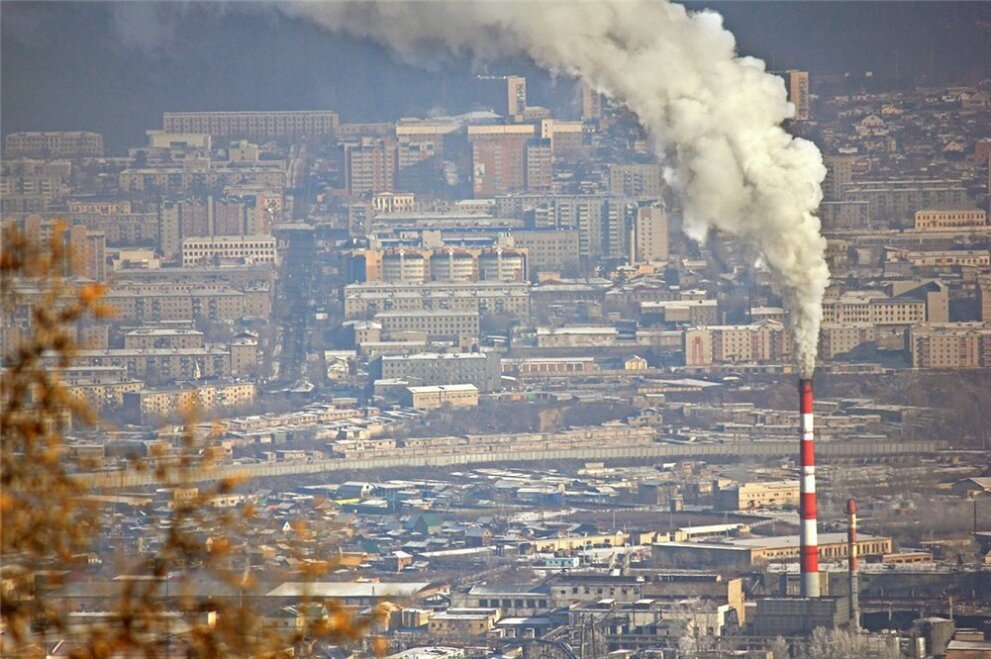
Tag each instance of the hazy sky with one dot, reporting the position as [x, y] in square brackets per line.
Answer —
[115, 67]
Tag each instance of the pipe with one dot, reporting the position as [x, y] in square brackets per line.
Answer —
[851, 509]
[809, 557]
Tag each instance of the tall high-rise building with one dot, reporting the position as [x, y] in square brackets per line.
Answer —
[515, 96]
[798, 93]
[984, 297]
[539, 166]
[591, 102]
[649, 243]
[370, 166]
[87, 253]
[839, 172]
[498, 158]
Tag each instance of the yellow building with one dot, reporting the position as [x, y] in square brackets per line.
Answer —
[935, 219]
[748, 496]
[149, 405]
[950, 345]
[432, 397]
[250, 249]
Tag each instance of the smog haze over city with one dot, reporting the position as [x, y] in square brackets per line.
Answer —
[495, 329]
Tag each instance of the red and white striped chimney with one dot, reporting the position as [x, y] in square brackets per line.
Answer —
[809, 539]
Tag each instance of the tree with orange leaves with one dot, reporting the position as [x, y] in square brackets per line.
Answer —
[45, 520]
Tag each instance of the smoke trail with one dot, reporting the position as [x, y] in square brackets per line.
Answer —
[714, 117]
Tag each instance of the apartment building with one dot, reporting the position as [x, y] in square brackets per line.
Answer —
[371, 165]
[172, 180]
[950, 345]
[246, 249]
[56, 144]
[163, 337]
[429, 368]
[432, 397]
[498, 157]
[462, 327]
[835, 340]
[766, 341]
[697, 313]
[443, 264]
[367, 299]
[895, 202]
[577, 336]
[156, 302]
[938, 219]
[549, 249]
[253, 125]
[872, 308]
[147, 406]
[116, 220]
[162, 364]
[644, 181]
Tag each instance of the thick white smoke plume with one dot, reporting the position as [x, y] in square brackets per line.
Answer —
[715, 117]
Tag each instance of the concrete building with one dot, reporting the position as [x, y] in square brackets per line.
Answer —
[162, 139]
[576, 336]
[798, 94]
[873, 308]
[163, 364]
[165, 301]
[172, 402]
[392, 202]
[695, 313]
[895, 202]
[592, 102]
[428, 369]
[749, 496]
[798, 616]
[766, 341]
[984, 297]
[649, 239]
[602, 220]
[433, 397]
[460, 327]
[515, 96]
[246, 249]
[567, 138]
[163, 337]
[444, 264]
[549, 249]
[370, 166]
[839, 173]
[938, 219]
[366, 300]
[253, 125]
[55, 144]
[539, 165]
[118, 222]
[747, 552]
[638, 181]
[498, 157]
[940, 259]
[835, 340]
[175, 180]
[463, 623]
[87, 253]
[950, 345]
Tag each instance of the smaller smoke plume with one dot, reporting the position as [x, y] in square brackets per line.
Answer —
[715, 117]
